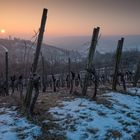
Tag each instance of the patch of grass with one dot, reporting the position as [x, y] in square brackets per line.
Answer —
[76, 111]
[72, 128]
[136, 136]
[101, 113]
[125, 123]
[50, 126]
[113, 134]
[123, 111]
[90, 119]
[134, 123]
[69, 120]
[92, 109]
[133, 117]
[104, 102]
[92, 130]
[129, 114]
[83, 117]
[51, 137]
[125, 106]
[3, 112]
[84, 136]
[127, 130]
[80, 105]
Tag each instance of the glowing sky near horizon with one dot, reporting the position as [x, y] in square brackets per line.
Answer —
[70, 17]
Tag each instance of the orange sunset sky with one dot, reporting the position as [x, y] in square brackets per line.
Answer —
[70, 17]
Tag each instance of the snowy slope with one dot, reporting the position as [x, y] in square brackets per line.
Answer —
[15, 127]
[82, 119]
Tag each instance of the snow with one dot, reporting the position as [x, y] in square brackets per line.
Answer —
[134, 91]
[83, 119]
[15, 127]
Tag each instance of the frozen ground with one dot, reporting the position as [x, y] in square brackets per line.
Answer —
[15, 127]
[134, 91]
[82, 119]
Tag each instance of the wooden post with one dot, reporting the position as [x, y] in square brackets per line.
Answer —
[69, 74]
[25, 67]
[43, 74]
[54, 83]
[90, 58]
[72, 83]
[6, 72]
[123, 81]
[117, 62]
[36, 56]
[96, 84]
[137, 75]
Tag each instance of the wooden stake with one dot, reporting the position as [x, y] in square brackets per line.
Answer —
[6, 72]
[117, 62]
[36, 57]
[69, 74]
[90, 58]
[137, 75]
[43, 74]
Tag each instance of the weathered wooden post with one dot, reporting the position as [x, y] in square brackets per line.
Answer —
[6, 72]
[6, 69]
[43, 74]
[96, 84]
[35, 62]
[90, 58]
[117, 62]
[137, 75]
[69, 69]
[54, 83]
[24, 59]
[72, 83]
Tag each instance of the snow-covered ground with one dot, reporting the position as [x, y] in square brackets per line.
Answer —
[83, 119]
[15, 127]
[134, 91]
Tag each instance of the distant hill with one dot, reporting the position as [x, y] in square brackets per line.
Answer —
[74, 47]
[52, 54]
[106, 43]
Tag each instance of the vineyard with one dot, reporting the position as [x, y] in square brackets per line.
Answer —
[50, 93]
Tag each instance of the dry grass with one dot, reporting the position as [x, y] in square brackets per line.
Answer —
[8, 101]
[113, 134]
